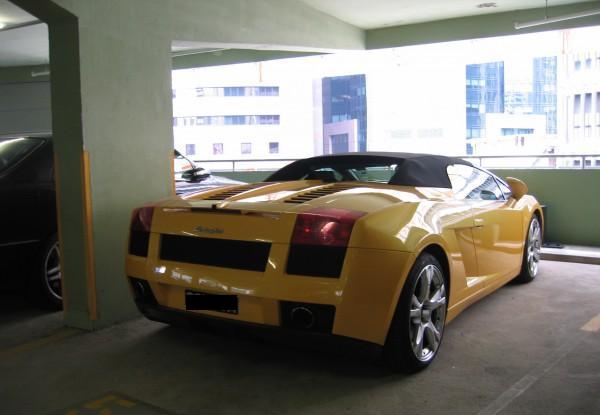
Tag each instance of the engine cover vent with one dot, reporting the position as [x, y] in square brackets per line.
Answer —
[226, 194]
[320, 192]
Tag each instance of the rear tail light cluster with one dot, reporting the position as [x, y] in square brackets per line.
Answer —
[325, 226]
[139, 235]
[319, 241]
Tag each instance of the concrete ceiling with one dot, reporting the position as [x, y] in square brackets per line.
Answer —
[375, 14]
[24, 41]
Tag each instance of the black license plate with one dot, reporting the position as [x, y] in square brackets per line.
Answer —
[214, 302]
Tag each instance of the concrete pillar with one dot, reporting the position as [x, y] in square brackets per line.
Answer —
[111, 102]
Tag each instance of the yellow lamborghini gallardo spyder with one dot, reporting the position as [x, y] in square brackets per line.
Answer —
[384, 248]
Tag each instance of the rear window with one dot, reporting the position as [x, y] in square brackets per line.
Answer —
[13, 150]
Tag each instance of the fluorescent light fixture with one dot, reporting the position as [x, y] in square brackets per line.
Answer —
[40, 73]
[556, 19]
[2, 25]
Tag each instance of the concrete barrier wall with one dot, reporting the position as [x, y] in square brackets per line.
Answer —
[572, 198]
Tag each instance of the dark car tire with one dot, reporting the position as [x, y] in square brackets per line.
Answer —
[421, 309]
[531, 252]
[46, 284]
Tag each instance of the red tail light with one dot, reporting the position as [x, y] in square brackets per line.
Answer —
[141, 218]
[325, 226]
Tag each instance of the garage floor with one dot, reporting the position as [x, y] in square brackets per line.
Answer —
[532, 349]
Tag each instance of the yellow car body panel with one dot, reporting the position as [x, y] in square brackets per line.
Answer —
[482, 242]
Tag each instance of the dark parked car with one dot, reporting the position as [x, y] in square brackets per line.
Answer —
[28, 223]
[28, 213]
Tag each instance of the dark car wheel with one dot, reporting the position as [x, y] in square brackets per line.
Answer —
[531, 252]
[47, 278]
[417, 327]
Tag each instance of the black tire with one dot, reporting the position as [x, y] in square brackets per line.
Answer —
[413, 315]
[46, 284]
[531, 252]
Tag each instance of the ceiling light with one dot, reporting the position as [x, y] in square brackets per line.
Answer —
[2, 25]
[548, 20]
[486, 5]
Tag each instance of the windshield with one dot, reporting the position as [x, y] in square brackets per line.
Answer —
[380, 173]
[14, 150]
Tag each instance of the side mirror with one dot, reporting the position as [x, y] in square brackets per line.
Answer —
[195, 175]
[517, 187]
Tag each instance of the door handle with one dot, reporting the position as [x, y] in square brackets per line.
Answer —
[478, 222]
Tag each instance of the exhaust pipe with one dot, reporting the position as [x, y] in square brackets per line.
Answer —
[302, 317]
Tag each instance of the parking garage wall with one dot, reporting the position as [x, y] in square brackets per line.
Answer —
[571, 198]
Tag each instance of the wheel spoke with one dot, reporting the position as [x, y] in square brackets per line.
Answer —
[435, 304]
[418, 342]
[433, 336]
[426, 276]
[415, 314]
[54, 270]
[54, 278]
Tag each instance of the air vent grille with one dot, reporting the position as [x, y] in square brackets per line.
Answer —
[226, 194]
[320, 192]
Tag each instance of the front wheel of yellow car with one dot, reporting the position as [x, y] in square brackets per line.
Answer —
[417, 327]
[531, 252]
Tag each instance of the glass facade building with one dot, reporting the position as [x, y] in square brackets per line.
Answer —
[345, 98]
[532, 93]
[485, 94]
[543, 98]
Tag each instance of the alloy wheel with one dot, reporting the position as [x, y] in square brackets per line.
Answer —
[427, 313]
[52, 271]
[534, 245]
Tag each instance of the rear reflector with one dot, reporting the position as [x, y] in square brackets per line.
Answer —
[325, 226]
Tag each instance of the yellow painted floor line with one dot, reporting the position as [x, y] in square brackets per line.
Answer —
[38, 343]
[592, 325]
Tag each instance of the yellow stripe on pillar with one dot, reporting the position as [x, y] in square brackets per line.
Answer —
[89, 236]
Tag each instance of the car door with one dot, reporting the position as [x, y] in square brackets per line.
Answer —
[497, 229]
[462, 185]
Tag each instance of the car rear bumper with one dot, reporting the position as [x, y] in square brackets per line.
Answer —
[304, 339]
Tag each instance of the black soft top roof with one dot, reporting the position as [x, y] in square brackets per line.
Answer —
[423, 170]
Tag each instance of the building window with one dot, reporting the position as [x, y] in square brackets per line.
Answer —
[234, 91]
[190, 149]
[577, 65]
[217, 149]
[267, 91]
[235, 120]
[267, 119]
[174, 121]
[246, 148]
[199, 92]
[173, 93]
[274, 148]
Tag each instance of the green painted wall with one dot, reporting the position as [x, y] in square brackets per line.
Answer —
[571, 196]
[573, 202]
